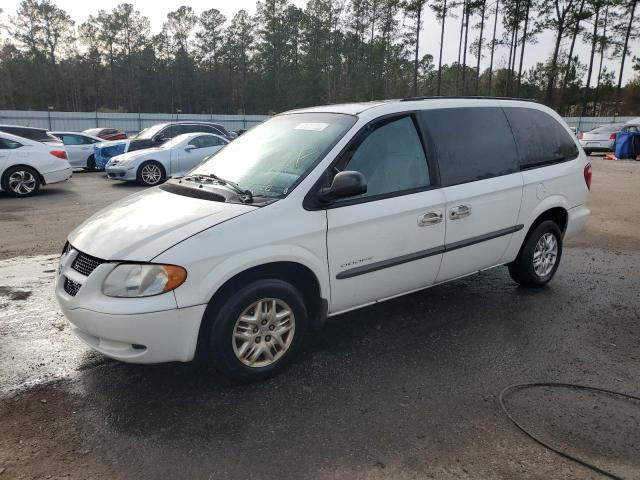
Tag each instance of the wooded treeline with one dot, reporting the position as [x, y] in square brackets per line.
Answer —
[329, 51]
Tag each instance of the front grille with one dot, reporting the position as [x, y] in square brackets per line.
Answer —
[71, 287]
[85, 264]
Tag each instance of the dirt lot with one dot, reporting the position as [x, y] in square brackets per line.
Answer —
[406, 389]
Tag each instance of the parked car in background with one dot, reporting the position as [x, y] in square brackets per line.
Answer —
[79, 147]
[173, 158]
[32, 133]
[600, 139]
[26, 165]
[320, 211]
[154, 136]
[106, 133]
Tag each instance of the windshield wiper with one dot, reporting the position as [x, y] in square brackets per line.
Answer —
[245, 195]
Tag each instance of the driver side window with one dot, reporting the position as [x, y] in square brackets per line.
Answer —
[391, 158]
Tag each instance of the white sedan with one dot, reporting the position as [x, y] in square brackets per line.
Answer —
[25, 165]
[174, 158]
[79, 147]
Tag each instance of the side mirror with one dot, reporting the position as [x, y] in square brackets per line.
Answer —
[345, 184]
[189, 147]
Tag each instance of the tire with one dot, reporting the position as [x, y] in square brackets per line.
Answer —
[21, 181]
[588, 153]
[230, 356]
[151, 173]
[523, 270]
[91, 163]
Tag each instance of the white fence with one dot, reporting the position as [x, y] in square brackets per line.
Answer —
[129, 122]
[134, 122]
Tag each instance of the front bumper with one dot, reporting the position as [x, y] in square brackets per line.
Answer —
[121, 172]
[137, 330]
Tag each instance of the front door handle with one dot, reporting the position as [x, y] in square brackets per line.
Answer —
[461, 211]
[429, 218]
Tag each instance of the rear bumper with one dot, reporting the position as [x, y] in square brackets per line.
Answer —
[57, 175]
[576, 221]
[598, 146]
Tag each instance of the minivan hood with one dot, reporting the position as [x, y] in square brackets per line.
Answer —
[143, 225]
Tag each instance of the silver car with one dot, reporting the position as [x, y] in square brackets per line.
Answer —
[600, 139]
[79, 147]
[152, 166]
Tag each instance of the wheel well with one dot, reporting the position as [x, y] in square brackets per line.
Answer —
[298, 275]
[40, 177]
[557, 214]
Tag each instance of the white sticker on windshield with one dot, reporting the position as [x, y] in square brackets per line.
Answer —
[315, 127]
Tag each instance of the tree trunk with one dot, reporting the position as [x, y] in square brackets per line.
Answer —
[561, 16]
[524, 42]
[603, 40]
[493, 45]
[512, 48]
[444, 16]
[594, 40]
[484, 5]
[464, 6]
[624, 49]
[464, 55]
[415, 61]
[576, 30]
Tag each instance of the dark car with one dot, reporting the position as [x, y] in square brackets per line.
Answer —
[35, 134]
[106, 133]
[154, 136]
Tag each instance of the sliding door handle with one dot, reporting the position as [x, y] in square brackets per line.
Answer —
[459, 212]
[429, 218]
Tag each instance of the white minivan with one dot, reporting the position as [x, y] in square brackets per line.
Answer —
[319, 211]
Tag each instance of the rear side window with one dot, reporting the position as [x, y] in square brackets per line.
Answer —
[471, 143]
[6, 144]
[541, 139]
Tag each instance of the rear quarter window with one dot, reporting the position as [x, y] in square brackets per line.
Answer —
[541, 139]
[470, 144]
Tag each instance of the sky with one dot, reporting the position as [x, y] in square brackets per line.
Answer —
[429, 40]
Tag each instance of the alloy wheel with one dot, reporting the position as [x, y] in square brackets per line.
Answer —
[263, 332]
[151, 174]
[545, 254]
[22, 182]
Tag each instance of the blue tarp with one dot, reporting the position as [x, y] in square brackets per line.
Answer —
[624, 144]
[103, 152]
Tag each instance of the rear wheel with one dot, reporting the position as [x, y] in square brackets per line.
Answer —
[588, 152]
[150, 173]
[91, 163]
[20, 181]
[254, 334]
[539, 257]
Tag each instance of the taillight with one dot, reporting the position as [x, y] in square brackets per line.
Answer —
[580, 135]
[587, 175]
[612, 136]
[61, 154]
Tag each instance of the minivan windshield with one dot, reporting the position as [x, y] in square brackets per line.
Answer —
[271, 158]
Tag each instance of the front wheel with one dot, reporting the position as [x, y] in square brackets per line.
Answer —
[255, 333]
[151, 173]
[539, 257]
[20, 181]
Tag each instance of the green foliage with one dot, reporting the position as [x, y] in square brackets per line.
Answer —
[287, 57]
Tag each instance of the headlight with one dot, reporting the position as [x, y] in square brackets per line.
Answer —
[143, 280]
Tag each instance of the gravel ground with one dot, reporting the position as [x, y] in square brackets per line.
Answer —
[405, 389]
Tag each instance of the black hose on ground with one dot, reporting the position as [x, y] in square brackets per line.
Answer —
[521, 386]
